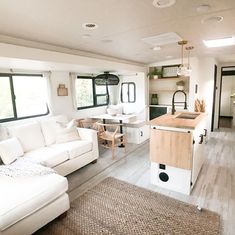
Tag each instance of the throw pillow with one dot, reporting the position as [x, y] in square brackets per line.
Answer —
[10, 150]
[67, 134]
[29, 135]
[72, 123]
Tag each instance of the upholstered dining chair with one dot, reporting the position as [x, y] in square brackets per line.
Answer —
[110, 137]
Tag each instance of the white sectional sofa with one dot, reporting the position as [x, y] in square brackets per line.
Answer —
[28, 203]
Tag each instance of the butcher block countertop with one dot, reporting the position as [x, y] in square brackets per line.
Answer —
[169, 120]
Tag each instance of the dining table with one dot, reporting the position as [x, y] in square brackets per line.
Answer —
[121, 118]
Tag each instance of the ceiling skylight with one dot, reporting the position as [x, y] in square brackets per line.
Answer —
[229, 41]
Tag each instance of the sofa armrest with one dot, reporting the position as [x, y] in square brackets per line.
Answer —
[90, 135]
[87, 134]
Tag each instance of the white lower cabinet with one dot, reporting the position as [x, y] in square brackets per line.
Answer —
[177, 156]
[171, 178]
[137, 135]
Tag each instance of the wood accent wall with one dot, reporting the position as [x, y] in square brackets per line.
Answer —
[171, 148]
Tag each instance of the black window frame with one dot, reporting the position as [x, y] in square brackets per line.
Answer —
[13, 97]
[94, 94]
[128, 93]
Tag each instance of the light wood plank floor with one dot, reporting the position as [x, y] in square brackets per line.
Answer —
[215, 187]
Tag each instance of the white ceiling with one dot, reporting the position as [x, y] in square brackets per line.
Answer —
[125, 22]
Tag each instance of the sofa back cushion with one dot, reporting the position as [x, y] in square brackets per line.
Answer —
[10, 150]
[49, 128]
[29, 135]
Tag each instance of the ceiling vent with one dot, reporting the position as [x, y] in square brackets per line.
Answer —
[163, 39]
[212, 19]
[163, 3]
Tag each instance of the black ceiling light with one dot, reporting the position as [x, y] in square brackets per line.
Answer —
[106, 78]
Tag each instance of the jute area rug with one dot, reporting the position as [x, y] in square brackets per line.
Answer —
[117, 207]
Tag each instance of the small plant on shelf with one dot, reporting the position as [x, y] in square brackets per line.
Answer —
[180, 85]
[155, 73]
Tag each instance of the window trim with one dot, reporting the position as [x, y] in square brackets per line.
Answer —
[128, 92]
[13, 97]
[94, 94]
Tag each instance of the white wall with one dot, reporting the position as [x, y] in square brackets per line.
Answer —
[60, 64]
[206, 85]
[139, 106]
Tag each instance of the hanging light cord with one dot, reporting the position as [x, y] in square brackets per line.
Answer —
[182, 54]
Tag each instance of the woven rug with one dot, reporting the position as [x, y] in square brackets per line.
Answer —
[117, 207]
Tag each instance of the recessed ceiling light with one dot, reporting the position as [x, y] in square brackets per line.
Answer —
[90, 26]
[163, 3]
[156, 48]
[169, 56]
[212, 19]
[203, 8]
[222, 42]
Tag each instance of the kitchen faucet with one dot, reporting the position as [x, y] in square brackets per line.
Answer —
[173, 101]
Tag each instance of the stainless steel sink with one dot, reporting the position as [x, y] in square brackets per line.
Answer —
[188, 115]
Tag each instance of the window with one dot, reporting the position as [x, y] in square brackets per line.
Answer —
[128, 92]
[88, 94]
[22, 96]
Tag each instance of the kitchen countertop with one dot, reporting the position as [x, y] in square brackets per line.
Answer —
[169, 120]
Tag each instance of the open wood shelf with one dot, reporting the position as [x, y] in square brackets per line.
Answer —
[169, 78]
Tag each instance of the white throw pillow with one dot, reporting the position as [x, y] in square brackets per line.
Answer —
[29, 135]
[72, 123]
[67, 134]
[49, 128]
[10, 150]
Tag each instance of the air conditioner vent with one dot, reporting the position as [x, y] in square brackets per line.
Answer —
[163, 39]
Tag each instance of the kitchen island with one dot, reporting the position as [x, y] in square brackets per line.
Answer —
[177, 150]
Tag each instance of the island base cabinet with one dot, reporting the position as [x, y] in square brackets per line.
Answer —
[171, 178]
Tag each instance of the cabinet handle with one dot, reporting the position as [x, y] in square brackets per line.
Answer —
[205, 134]
[141, 133]
[201, 140]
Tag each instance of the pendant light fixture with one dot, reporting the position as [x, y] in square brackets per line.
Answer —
[182, 68]
[189, 68]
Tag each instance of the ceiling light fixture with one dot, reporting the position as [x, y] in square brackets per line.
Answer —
[90, 26]
[189, 68]
[163, 3]
[182, 69]
[156, 48]
[222, 42]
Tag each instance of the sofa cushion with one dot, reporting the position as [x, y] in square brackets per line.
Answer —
[23, 196]
[10, 150]
[49, 128]
[74, 148]
[29, 135]
[46, 156]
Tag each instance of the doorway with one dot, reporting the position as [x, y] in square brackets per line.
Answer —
[227, 98]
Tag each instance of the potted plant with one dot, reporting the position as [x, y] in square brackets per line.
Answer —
[155, 73]
[180, 85]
